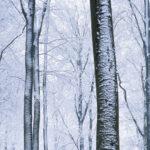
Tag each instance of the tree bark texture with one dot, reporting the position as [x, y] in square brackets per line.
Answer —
[106, 76]
[29, 54]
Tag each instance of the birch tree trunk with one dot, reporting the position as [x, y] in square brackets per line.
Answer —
[106, 78]
[56, 137]
[45, 116]
[38, 22]
[29, 53]
[33, 30]
[36, 121]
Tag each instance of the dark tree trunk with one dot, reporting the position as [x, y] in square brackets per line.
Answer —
[29, 54]
[36, 122]
[32, 79]
[106, 76]
[147, 83]
[90, 126]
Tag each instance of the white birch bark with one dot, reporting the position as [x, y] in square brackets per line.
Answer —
[36, 121]
[38, 22]
[56, 138]
[45, 115]
[29, 54]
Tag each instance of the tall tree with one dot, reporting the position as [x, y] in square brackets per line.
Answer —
[45, 115]
[106, 76]
[79, 59]
[37, 32]
[33, 31]
[145, 39]
[29, 55]
[147, 62]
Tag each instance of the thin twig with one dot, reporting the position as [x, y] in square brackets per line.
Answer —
[71, 136]
[136, 20]
[127, 104]
[12, 41]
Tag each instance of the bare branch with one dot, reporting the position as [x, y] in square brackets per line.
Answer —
[76, 109]
[127, 104]
[50, 42]
[19, 78]
[138, 12]
[42, 16]
[23, 10]
[86, 62]
[53, 48]
[72, 64]
[143, 81]
[136, 20]
[87, 104]
[12, 41]
[70, 135]
[11, 1]
[117, 22]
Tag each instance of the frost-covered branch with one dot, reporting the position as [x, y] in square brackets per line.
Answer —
[86, 62]
[12, 41]
[70, 135]
[42, 15]
[23, 10]
[90, 95]
[136, 20]
[139, 12]
[127, 104]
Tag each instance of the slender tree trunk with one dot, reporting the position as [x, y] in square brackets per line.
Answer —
[147, 84]
[80, 99]
[36, 121]
[6, 145]
[56, 138]
[90, 140]
[45, 116]
[106, 77]
[90, 126]
[29, 77]
[31, 140]
[81, 137]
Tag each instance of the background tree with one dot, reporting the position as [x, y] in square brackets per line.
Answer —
[33, 31]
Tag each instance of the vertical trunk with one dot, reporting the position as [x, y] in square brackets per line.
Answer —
[144, 90]
[147, 84]
[32, 79]
[80, 99]
[5, 147]
[56, 139]
[81, 137]
[45, 116]
[106, 78]
[36, 121]
[90, 126]
[29, 77]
